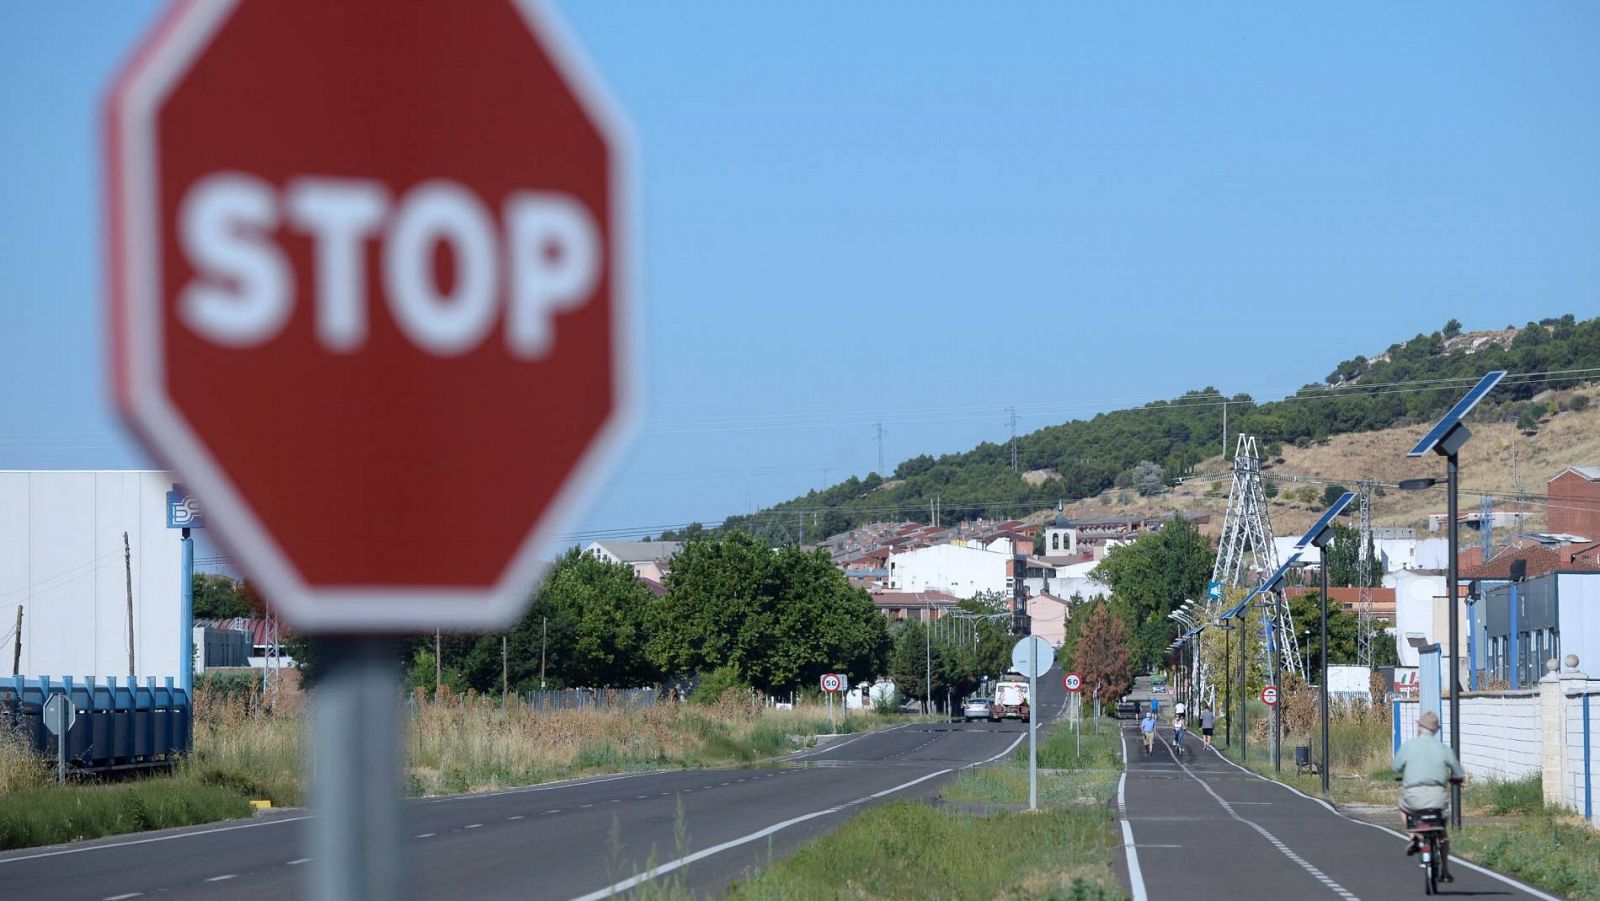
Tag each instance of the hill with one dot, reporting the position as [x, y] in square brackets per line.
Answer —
[1145, 449]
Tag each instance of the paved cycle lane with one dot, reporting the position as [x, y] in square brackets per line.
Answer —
[1202, 827]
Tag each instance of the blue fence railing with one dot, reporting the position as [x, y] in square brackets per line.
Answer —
[121, 723]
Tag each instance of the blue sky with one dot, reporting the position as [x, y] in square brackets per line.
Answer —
[923, 213]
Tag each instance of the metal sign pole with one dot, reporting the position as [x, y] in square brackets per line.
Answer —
[63, 723]
[1033, 732]
[355, 837]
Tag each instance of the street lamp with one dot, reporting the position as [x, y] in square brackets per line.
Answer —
[1320, 536]
[1446, 439]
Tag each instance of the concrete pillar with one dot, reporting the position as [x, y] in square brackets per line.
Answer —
[1553, 736]
[1573, 685]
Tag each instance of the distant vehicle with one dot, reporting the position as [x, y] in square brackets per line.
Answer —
[1158, 685]
[1011, 699]
[978, 708]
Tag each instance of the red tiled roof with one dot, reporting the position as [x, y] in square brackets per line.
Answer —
[1540, 561]
[914, 598]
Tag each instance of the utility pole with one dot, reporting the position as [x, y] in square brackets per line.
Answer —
[1013, 412]
[16, 645]
[1224, 427]
[880, 450]
[544, 630]
[127, 572]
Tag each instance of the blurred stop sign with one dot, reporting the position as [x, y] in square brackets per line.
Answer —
[368, 282]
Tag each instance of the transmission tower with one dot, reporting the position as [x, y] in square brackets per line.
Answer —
[1247, 529]
[1013, 412]
[880, 451]
[1366, 622]
[1486, 524]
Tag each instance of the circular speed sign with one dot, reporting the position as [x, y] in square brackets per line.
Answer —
[1072, 682]
[831, 682]
[1269, 695]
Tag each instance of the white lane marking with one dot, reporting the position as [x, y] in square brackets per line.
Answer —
[583, 806]
[1129, 849]
[548, 812]
[146, 841]
[520, 816]
[1400, 835]
[668, 867]
[1276, 842]
[223, 877]
[1009, 748]
[124, 897]
[425, 835]
[640, 797]
[298, 861]
[543, 787]
[475, 826]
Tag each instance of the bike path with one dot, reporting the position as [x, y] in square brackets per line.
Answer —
[1202, 827]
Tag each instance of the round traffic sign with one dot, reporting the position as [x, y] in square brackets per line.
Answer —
[1072, 682]
[1032, 656]
[1269, 695]
[430, 332]
[831, 682]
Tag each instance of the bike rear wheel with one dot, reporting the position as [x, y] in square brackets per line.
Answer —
[1430, 865]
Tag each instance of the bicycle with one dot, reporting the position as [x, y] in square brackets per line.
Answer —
[1427, 828]
[1177, 742]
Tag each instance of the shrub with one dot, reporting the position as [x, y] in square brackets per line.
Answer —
[711, 687]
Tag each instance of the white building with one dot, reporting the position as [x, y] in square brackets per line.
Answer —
[961, 571]
[1048, 618]
[1418, 610]
[649, 559]
[1401, 554]
[61, 561]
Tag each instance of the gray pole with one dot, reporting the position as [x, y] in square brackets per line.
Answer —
[1324, 673]
[61, 741]
[1243, 688]
[186, 617]
[1033, 729]
[544, 631]
[1277, 676]
[1227, 686]
[354, 840]
[1455, 630]
[127, 570]
[927, 687]
[16, 647]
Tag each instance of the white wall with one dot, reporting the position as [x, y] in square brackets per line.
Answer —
[1579, 617]
[1573, 787]
[962, 571]
[1401, 554]
[1500, 733]
[1414, 599]
[61, 559]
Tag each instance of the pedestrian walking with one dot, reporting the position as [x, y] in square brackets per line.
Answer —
[1208, 723]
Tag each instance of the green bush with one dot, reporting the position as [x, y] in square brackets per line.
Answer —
[712, 685]
[47, 816]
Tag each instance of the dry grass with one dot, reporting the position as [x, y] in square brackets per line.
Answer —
[1563, 439]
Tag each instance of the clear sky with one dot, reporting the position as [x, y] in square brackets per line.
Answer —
[922, 213]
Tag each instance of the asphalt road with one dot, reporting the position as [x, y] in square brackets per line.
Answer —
[562, 841]
[1201, 827]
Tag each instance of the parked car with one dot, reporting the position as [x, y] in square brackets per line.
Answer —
[977, 709]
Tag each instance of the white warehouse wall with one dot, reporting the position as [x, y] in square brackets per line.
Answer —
[962, 571]
[61, 559]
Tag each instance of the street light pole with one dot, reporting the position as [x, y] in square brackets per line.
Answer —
[1323, 675]
[1243, 692]
[1227, 685]
[1450, 589]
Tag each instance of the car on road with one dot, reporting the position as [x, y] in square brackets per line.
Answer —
[977, 709]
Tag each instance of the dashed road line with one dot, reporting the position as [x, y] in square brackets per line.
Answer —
[425, 835]
[224, 877]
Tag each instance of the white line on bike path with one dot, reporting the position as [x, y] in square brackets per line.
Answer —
[1288, 852]
[1458, 859]
[1135, 876]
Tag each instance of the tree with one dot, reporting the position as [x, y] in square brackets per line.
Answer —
[781, 617]
[1152, 576]
[1148, 478]
[1332, 493]
[1452, 328]
[220, 597]
[1101, 656]
[1343, 556]
[910, 659]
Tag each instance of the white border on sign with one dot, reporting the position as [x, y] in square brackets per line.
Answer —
[136, 100]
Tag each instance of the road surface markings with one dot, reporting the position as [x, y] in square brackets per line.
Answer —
[426, 835]
[124, 897]
[146, 841]
[584, 806]
[1460, 861]
[519, 816]
[223, 878]
[1130, 850]
[475, 826]
[1284, 849]
[640, 797]
[298, 861]
[617, 888]
[548, 812]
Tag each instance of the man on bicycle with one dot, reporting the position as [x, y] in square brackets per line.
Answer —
[1147, 727]
[1425, 767]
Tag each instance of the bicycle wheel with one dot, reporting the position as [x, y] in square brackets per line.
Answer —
[1430, 866]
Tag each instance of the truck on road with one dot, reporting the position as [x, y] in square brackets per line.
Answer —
[1011, 699]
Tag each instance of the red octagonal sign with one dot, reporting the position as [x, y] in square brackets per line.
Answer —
[369, 294]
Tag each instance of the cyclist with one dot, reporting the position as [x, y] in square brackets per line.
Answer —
[1179, 723]
[1425, 767]
[1147, 727]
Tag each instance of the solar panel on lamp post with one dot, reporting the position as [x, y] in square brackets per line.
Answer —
[1320, 535]
[1446, 439]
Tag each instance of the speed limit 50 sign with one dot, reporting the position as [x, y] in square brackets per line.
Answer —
[832, 682]
[1072, 682]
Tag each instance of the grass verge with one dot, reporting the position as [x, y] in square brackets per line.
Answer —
[454, 745]
[963, 847]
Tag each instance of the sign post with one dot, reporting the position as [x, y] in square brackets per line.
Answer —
[183, 512]
[59, 715]
[437, 343]
[832, 684]
[1033, 656]
[1073, 683]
